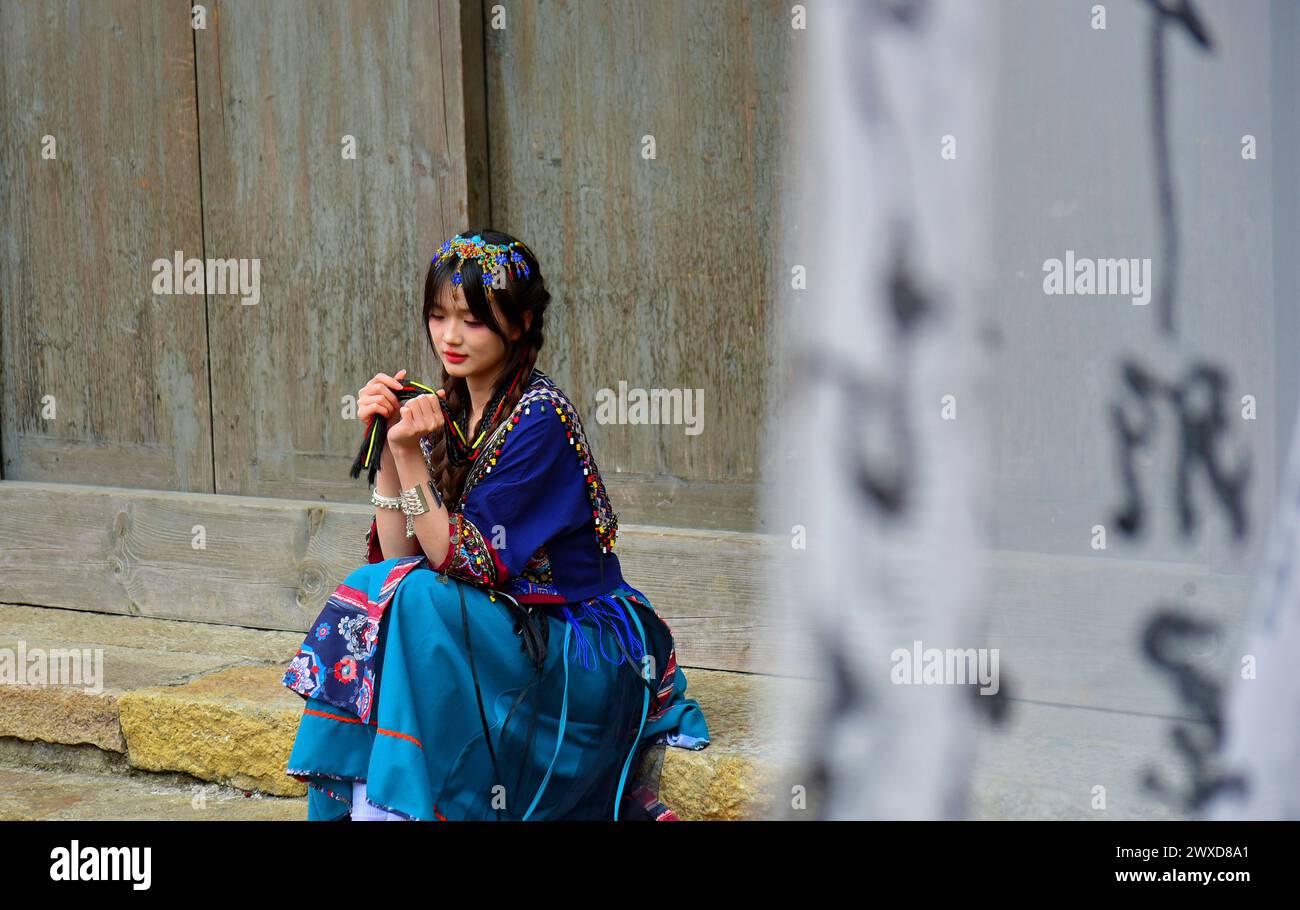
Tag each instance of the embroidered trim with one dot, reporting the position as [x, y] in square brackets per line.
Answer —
[534, 583]
[347, 632]
[339, 717]
[537, 570]
[399, 735]
[357, 720]
[541, 393]
[469, 555]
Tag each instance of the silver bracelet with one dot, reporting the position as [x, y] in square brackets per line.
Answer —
[414, 503]
[385, 502]
[391, 502]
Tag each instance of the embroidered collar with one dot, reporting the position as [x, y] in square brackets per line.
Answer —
[543, 393]
[459, 447]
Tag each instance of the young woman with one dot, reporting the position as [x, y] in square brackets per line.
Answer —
[521, 674]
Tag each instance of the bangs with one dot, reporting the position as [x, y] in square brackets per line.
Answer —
[439, 290]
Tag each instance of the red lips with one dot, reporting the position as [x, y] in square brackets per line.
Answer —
[454, 357]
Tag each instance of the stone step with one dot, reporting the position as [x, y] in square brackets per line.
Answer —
[205, 701]
[44, 794]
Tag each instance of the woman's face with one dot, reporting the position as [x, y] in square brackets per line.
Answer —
[455, 330]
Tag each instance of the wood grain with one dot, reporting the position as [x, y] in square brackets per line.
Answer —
[343, 244]
[125, 370]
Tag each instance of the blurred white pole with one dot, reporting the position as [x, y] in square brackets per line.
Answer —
[891, 234]
[1262, 715]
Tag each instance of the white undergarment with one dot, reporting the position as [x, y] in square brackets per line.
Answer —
[362, 811]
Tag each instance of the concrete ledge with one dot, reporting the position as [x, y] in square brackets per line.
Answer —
[125, 654]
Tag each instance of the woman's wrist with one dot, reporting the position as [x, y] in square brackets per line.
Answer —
[387, 483]
[430, 525]
[408, 460]
[413, 472]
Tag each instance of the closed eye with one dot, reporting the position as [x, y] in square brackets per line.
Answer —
[467, 321]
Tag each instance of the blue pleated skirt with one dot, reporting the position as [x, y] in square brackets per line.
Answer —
[419, 685]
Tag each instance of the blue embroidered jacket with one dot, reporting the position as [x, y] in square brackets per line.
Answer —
[534, 522]
[534, 519]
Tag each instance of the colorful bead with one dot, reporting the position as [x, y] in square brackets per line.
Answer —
[490, 257]
[543, 391]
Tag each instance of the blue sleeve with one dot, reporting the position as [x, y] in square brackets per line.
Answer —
[534, 491]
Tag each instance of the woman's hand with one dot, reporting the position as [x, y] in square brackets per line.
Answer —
[376, 397]
[419, 416]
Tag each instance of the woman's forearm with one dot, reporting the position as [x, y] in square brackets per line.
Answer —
[431, 531]
[390, 524]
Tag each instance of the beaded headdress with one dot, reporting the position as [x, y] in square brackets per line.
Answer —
[495, 259]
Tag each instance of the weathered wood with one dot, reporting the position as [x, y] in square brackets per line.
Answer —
[661, 270]
[343, 244]
[125, 370]
[683, 503]
[270, 563]
[1066, 628]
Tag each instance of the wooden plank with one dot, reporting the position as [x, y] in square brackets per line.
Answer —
[1067, 630]
[270, 563]
[662, 271]
[343, 244]
[701, 504]
[124, 369]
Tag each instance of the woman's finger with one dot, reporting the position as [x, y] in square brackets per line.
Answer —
[376, 403]
[383, 393]
[421, 415]
[436, 418]
[428, 415]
